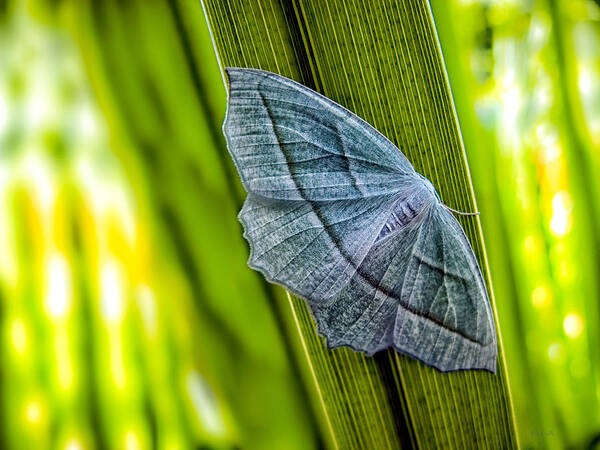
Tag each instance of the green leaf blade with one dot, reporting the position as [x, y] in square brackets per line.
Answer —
[382, 61]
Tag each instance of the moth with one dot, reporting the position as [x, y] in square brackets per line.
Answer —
[337, 215]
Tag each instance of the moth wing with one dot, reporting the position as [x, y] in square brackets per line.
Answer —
[291, 143]
[420, 291]
[312, 249]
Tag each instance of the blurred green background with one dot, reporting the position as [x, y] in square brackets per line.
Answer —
[123, 286]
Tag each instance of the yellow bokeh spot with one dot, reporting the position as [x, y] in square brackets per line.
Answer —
[58, 282]
[544, 95]
[63, 359]
[73, 444]
[550, 154]
[530, 244]
[549, 144]
[111, 302]
[546, 134]
[573, 325]
[147, 306]
[36, 172]
[555, 351]
[560, 223]
[18, 335]
[540, 297]
[205, 403]
[33, 412]
[585, 80]
[132, 442]
[564, 270]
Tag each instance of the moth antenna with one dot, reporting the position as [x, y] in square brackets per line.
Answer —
[460, 212]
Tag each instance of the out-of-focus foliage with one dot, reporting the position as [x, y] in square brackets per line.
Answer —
[526, 81]
[96, 354]
[124, 312]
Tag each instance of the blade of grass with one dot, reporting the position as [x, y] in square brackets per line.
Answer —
[383, 61]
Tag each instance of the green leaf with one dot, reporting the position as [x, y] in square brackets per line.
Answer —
[382, 60]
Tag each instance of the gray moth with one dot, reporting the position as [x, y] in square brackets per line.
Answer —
[338, 215]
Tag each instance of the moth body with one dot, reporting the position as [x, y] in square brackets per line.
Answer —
[406, 209]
